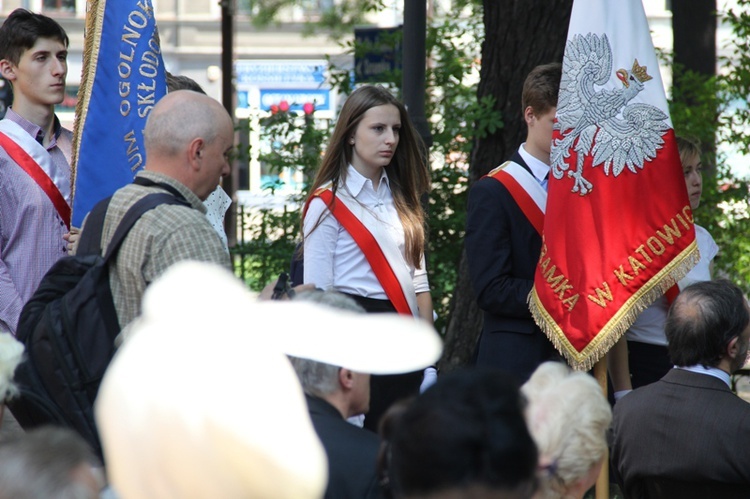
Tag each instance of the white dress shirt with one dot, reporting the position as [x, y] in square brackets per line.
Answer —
[538, 168]
[333, 260]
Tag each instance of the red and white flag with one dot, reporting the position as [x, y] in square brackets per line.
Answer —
[618, 229]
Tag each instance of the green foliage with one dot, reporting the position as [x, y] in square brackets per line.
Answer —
[714, 111]
[737, 76]
[270, 233]
[337, 18]
[730, 223]
[457, 118]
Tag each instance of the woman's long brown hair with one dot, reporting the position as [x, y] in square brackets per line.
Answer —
[407, 171]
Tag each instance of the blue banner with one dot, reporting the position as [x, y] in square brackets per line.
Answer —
[123, 78]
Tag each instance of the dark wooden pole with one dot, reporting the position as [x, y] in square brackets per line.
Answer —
[228, 100]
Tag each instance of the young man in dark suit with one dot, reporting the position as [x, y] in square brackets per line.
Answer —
[688, 435]
[503, 241]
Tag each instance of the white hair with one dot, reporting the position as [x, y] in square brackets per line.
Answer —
[11, 352]
[568, 417]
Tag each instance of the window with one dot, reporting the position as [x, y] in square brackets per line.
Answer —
[68, 6]
[245, 7]
[303, 10]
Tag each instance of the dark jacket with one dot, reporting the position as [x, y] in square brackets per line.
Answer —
[352, 453]
[502, 250]
[686, 427]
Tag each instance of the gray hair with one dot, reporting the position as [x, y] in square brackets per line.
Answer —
[43, 463]
[317, 378]
[568, 417]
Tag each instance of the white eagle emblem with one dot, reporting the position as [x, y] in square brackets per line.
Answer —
[602, 123]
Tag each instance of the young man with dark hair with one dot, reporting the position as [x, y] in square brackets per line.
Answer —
[503, 236]
[34, 158]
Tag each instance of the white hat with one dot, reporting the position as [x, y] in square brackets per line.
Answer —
[201, 401]
[369, 343]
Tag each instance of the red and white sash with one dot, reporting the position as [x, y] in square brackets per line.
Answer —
[381, 252]
[526, 191]
[37, 163]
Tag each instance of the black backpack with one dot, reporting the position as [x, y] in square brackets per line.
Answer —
[68, 328]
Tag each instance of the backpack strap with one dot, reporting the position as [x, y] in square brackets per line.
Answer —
[134, 213]
[109, 313]
[147, 182]
[91, 238]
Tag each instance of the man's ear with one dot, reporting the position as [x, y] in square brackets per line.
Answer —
[8, 70]
[733, 347]
[528, 115]
[195, 152]
[346, 379]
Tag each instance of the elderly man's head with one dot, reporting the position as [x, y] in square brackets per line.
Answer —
[348, 391]
[709, 325]
[189, 136]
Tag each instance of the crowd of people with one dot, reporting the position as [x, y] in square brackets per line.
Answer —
[214, 392]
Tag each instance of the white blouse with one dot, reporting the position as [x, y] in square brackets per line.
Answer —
[649, 326]
[333, 260]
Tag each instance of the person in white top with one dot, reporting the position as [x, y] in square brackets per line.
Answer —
[374, 167]
[644, 358]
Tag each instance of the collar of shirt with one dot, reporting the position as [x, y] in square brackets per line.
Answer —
[34, 130]
[190, 196]
[355, 181]
[538, 168]
[710, 371]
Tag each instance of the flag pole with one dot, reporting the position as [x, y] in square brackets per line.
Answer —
[602, 483]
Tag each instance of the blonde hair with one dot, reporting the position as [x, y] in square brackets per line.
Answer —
[687, 148]
[568, 416]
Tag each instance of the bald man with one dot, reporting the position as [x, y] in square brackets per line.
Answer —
[188, 139]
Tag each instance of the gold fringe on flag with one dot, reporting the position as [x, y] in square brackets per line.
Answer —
[621, 321]
[92, 42]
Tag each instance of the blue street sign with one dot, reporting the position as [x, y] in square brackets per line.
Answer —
[276, 72]
[377, 54]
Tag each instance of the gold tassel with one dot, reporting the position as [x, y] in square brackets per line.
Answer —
[92, 42]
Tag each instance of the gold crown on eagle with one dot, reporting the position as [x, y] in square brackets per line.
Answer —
[640, 72]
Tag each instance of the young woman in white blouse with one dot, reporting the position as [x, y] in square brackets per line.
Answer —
[363, 224]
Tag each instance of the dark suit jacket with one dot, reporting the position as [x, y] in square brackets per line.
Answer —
[686, 427]
[502, 250]
[352, 453]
